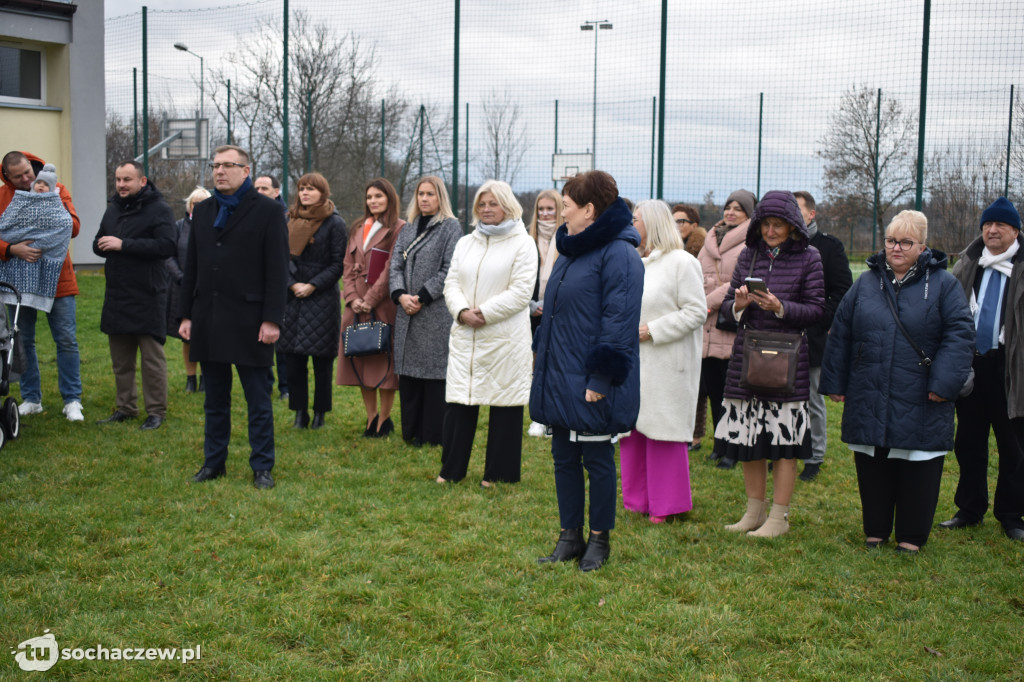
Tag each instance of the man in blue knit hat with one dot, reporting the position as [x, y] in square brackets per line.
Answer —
[991, 270]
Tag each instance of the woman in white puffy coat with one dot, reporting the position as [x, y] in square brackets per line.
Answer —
[655, 457]
[488, 291]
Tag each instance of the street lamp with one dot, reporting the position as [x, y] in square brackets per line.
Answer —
[595, 26]
[184, 48]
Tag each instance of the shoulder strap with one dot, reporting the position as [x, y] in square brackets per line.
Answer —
[419, 238]
[925, 360]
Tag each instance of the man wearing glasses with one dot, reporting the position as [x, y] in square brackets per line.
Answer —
[232, 305]
[991, 270]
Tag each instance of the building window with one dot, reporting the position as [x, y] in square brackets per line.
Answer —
[21, 75]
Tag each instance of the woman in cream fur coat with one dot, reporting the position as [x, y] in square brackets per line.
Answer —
[655, 460]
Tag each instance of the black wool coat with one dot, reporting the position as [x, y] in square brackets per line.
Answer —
[135, 300]
[235, 279]
[838, 280]
[312, 326]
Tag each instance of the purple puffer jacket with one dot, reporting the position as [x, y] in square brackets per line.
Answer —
[794, 277]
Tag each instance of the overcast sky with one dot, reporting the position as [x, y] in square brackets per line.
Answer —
[720, 57]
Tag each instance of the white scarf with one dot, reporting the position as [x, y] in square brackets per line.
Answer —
[1002, 264]
[497, 230]
[545, 231]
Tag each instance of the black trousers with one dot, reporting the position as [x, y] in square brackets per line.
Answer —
[985, 409]
[712, 377]
[423, 409]
[297, 367]
[503, 459]
[900, 489]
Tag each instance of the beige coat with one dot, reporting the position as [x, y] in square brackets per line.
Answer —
[492, 365]
[673, 308]
[717, 263]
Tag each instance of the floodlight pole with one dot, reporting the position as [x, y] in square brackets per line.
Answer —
[596, 26]
[202, 80]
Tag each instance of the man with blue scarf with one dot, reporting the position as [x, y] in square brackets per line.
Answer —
[232, 304]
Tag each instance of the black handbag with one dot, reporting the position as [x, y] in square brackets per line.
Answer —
[770, 360]
[367, 338]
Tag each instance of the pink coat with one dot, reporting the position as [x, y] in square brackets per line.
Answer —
[717, 263]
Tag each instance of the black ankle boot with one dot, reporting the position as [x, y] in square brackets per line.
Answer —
[318, 420]
[301, 419]
[202, 384]
[371, 430]
[570, 546]
[190, 384]
[597, 552]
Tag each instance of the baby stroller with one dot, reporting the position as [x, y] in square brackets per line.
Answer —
[10, 419]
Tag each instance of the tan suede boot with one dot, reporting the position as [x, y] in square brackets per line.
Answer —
[753, 518]
[776, 525]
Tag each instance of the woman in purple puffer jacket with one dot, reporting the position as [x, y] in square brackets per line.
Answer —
[758, 428]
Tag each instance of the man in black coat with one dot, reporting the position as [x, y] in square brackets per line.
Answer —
[838, 281]
[232, 304]
[136, 235]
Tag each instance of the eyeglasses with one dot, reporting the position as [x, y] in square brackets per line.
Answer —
[905, 244]
[226, 165]
[681, 221]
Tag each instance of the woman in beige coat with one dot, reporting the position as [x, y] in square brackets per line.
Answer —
[488, 290]
[718, 258]
[367, 262]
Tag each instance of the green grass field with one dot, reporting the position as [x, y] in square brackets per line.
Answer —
[358, 566]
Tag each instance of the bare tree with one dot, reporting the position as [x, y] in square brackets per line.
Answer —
[848, 149]
[963, 180]
[504, 138]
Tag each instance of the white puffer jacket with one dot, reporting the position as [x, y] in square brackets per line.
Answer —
[492, 365]
[674, 309]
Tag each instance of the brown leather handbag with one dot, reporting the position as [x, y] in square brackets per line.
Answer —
[770, 360]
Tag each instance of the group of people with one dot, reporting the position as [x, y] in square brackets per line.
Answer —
[612, 322]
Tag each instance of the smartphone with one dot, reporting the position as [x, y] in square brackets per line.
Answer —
[756, 284]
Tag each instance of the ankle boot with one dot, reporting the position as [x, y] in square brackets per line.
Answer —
[202, 384]
[190, 384]
[371, 428]
[570, 546]
[596, 553]
[301, 419]
[318, 420]
[776, 525]
[752, 519]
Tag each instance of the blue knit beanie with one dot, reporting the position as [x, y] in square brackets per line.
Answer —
[1001, 211]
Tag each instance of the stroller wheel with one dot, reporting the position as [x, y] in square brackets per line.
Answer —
[10, 419]
[3, 438]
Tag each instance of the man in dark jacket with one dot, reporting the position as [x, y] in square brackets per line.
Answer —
[136, 235]
[232, 305]
[838, 280]
[270, 186]
[991, 271]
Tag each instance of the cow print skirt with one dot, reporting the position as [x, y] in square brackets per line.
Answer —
[756, 429]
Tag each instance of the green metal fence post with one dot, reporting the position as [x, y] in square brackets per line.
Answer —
[1009, 142]
[654, 131]
[455, 114]
[924, 102]
[466, 154]
[423, 110]
[229, 111]
[309, 130]
[382, 138]
[760, 132]
[135, 113]
[555, 182]
[875, 227]
[145, 97]
[661, 96]
[284, 144]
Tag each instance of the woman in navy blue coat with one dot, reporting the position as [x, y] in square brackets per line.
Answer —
[586, 381]
[898, 413]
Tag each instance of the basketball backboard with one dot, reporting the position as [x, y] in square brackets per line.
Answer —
[565, 166]
[192, 144]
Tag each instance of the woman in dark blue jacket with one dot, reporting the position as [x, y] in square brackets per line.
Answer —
[900, 421]
[586, 382]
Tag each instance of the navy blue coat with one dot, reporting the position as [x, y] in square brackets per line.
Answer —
[868, 360]
[588, 337]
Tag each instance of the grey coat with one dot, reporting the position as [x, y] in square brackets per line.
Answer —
[421, 341]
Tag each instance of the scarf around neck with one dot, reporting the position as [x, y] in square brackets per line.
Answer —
[304, 223]
[497, 230]
[545, 232]
[1001, 263]
[229, 202]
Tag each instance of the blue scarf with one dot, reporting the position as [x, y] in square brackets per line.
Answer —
[229, 202]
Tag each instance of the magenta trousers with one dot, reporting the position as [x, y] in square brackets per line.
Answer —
[655, 475]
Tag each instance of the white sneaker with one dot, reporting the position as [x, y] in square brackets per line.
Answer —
[536, 430]
[30, 408]
[73, 411]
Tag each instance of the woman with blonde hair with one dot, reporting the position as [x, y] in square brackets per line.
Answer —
[312, 317]
[654, 457]
[367, 263]
[419, 265]
[176, 271]
[488, 289]
[547, 216]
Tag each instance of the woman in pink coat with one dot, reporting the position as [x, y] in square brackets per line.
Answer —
[717, 258]
[367, 262]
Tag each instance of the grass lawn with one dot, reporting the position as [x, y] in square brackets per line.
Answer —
[358, 566]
